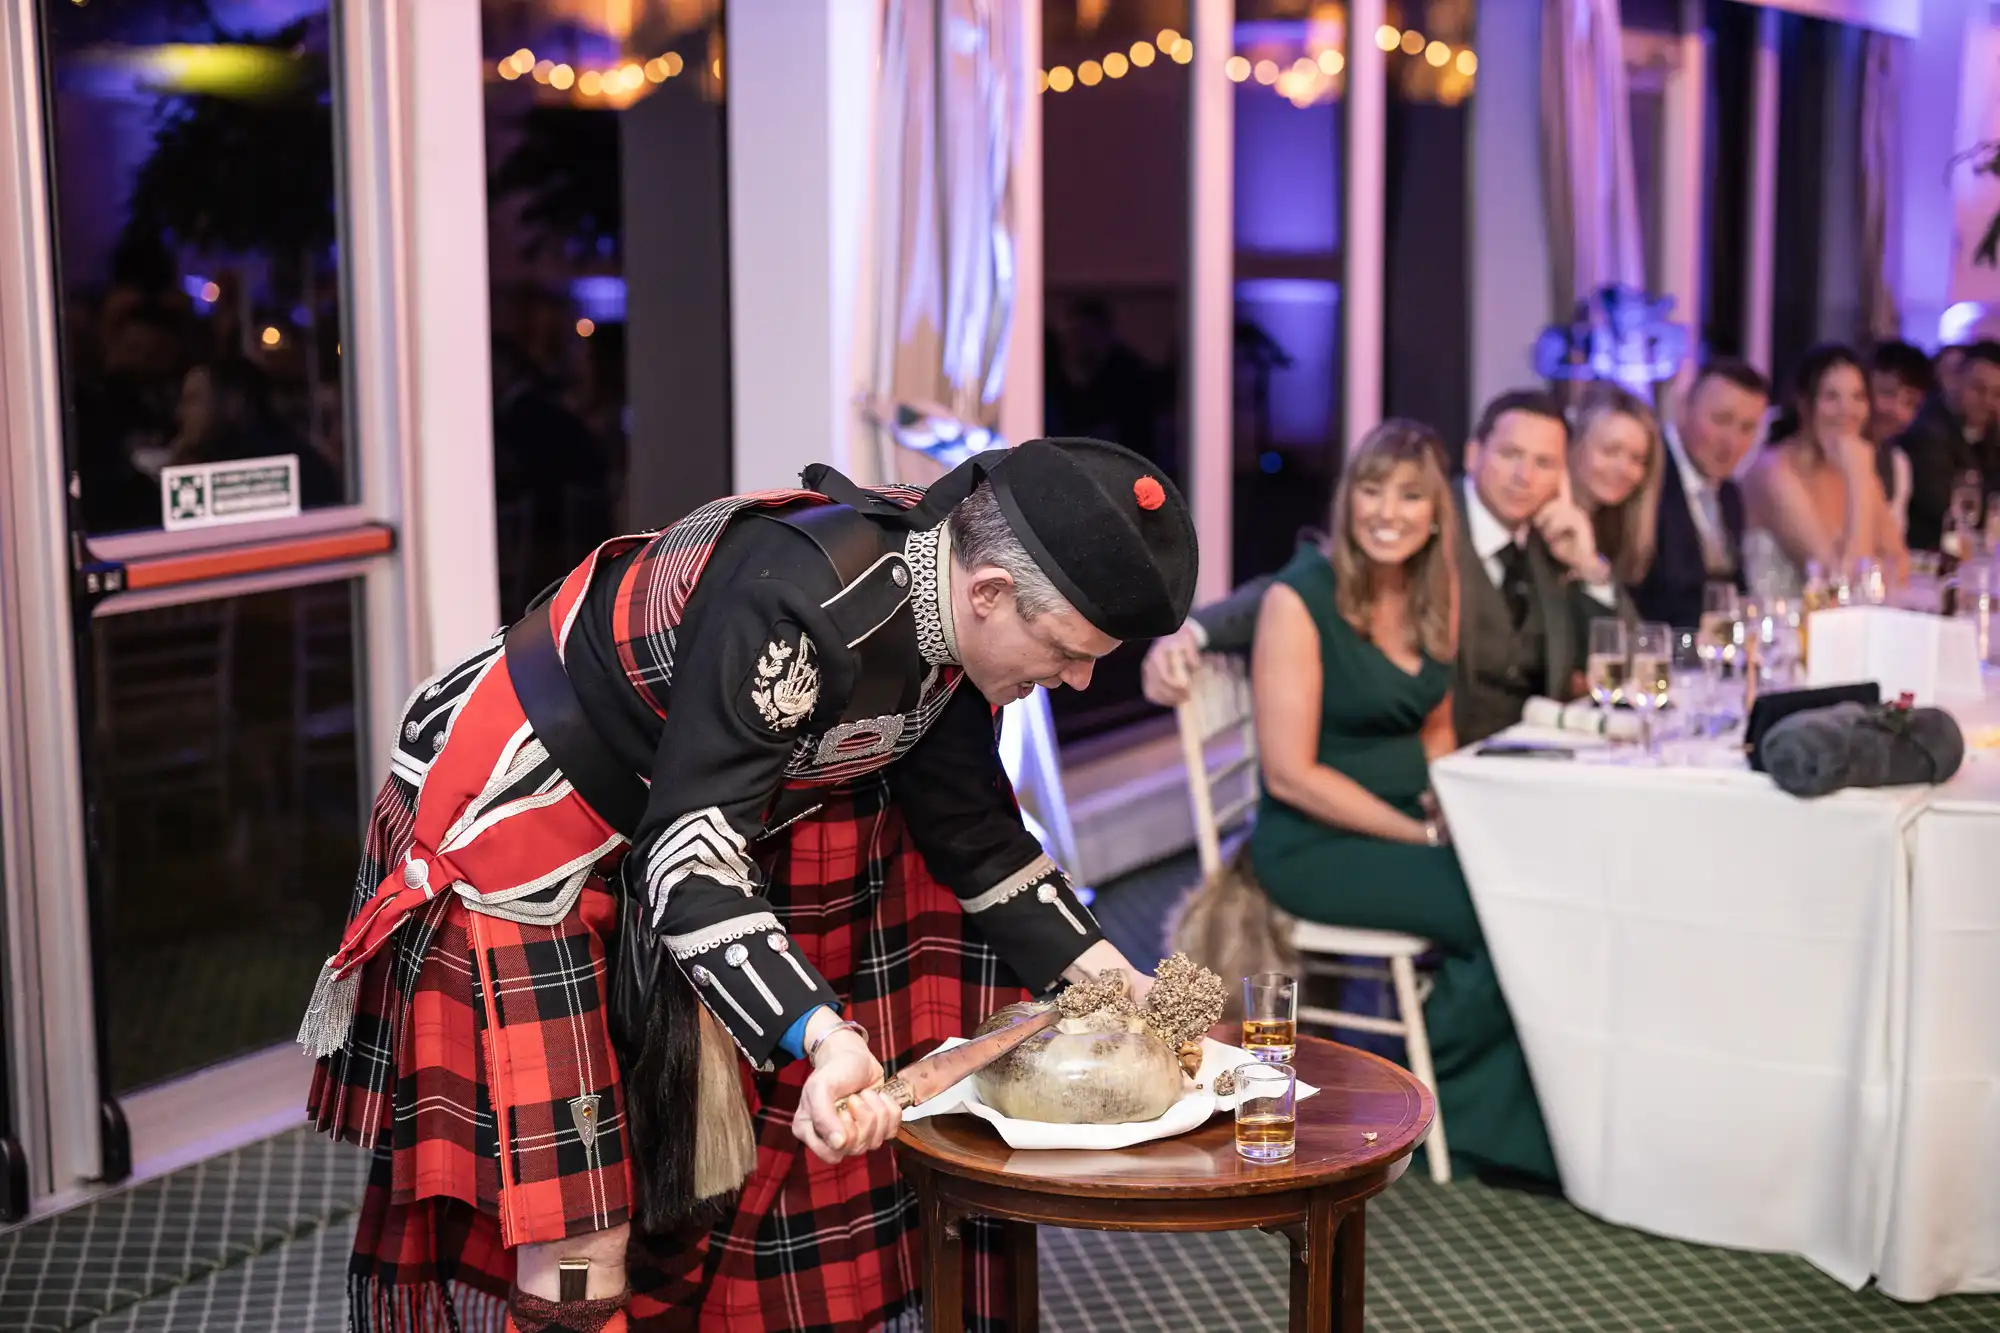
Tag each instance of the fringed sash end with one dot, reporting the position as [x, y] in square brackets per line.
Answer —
[330, 1013]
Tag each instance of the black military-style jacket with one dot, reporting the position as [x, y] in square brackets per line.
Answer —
[789, 675]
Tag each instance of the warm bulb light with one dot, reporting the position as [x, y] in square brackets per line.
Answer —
[1267, 72]
[1413, 42]
[211, 293]
[1237, 68]
[1167, 40]
[1331, 63]
[1061, 80]
[585, 327]
[1183, 51]
[1387, 37]
[272, 337]
[672, 60]
[591, 83]
[1304, 68]
[1143, 53]
[1041, 81]
[508, 72]
[1437, 53]
[1116, 66]
[1090, 74]
[656, 70]
[1468, 63]
[561, 78]
[544, 71]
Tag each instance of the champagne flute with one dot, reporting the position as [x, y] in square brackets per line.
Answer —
[1604, 663]
[1648, 679]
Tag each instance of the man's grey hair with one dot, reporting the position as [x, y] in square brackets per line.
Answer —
[980, 536]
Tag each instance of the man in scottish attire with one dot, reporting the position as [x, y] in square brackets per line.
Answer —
[729, 790]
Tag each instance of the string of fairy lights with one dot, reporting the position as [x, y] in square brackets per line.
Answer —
[1311, 78]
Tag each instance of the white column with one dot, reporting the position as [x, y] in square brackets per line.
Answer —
[1211, 304]
[448, 524]
[1683, 195]
[1760, 268]
[1938, 64]
[800, 91]
[49, 997]
[1364, 254]
[1506, 217]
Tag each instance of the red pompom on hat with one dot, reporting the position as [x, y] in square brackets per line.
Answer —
[1148, 492]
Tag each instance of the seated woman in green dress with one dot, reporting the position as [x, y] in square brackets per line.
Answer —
[1351, 676]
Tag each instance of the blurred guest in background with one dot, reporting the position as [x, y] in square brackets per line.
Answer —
[1099, 387]
[1954, 433]
[1950, 370]
[1815, 498]
[1530, 574]
[1615, 466]
[1699, 534]
[1352, 680]
[1900, 379]
[226, 415]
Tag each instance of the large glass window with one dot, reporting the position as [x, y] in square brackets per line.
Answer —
[1115, 242]
[607, 239]
[224, 756]
[1426, 324]
[1290, 70]
[195, 206]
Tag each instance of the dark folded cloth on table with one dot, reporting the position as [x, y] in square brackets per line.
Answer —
[1853, 745]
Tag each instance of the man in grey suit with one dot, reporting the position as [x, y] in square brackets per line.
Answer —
[1530, 577]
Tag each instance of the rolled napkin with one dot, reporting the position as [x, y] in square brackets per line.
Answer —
[1823, 750]
[1584, 716]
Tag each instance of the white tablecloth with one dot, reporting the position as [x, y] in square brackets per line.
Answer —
[1750, 1022]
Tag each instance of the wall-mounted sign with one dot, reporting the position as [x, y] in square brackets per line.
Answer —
[243, 490]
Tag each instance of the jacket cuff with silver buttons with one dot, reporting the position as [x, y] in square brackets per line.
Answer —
[754, 981]
[1035, 922]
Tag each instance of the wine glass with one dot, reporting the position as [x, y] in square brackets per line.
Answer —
[1604, 664]
[1871, 581]
[1689, 684]
[1721, 608]
[1966, 500]
[1648, 677]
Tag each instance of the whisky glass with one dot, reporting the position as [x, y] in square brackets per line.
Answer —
[1271, 1016]
[1267, 1122]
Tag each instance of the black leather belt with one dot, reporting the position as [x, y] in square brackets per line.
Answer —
[548, 698]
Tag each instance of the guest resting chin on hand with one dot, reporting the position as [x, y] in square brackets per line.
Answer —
[1351, 677]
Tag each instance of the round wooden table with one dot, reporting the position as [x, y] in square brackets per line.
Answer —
[960, 1167]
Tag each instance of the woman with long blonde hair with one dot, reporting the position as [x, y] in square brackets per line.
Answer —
[1616, 460]
[1351, 679]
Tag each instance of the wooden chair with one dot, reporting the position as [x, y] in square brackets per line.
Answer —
[1219, 745]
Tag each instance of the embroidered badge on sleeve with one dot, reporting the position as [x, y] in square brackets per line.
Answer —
[786, 685]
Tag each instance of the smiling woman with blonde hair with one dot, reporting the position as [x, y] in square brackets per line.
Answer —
[1616, 459]
[1351, 677]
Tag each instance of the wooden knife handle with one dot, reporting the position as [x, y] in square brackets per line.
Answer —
[895, 1089]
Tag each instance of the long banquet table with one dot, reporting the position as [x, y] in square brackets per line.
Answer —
[1753, 1020]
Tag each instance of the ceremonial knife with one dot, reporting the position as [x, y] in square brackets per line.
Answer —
[939, 1070]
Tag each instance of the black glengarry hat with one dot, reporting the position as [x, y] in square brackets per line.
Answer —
[1109, 529]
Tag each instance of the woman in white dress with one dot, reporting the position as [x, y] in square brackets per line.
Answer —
[1814, 498]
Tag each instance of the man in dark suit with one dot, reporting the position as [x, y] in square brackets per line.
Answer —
[1944, 443]
[1700, 517]
[1530, 577]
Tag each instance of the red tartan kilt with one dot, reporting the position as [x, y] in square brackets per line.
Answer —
[810, 1246]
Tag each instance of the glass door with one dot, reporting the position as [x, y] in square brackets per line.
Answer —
[211, 592]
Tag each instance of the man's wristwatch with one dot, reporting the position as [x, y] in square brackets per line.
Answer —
[1433, 833]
